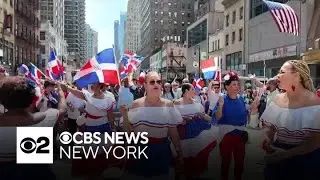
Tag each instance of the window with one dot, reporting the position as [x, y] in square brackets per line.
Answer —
[175, 14]
[42, 35]
[197, 34]
[233, 61]
[233, 17]
[240, 34]
[218, 44]
[257, 7]
[241, 13]
[227, 39]
[169, 4]
[169, 14]
[233, 37]
[227, 20]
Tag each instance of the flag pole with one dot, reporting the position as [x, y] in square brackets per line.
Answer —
[117, 65]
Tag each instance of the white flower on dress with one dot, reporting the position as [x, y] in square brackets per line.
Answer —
[226, 77]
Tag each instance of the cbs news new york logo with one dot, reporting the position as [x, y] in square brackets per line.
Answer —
[34, 145]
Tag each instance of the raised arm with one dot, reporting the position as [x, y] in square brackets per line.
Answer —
[219, 112]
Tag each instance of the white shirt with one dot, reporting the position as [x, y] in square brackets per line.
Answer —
[76, 103]
[213, 98]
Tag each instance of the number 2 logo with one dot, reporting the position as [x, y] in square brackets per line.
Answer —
[29, 145]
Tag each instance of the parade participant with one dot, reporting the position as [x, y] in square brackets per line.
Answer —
[99, 118]
[167, 92]
[125, 96]
[231, 115]
[175, 89]
[294, 153]
[16, 94]
[159, 118]
[214, 92]
[50, 94]
[74, 105]
[196, 135]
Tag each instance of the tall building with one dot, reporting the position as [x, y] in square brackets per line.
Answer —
[7, 37]
[122, 32]
[27, 25]
[53, 11]
[92, 42]
[82, 27]
[74, 29]
[50, 38]
[133, 26]
[234, 36]
[116, 39]
[208, 20]
[164, 22]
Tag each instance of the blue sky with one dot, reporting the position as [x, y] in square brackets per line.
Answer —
[100, 15]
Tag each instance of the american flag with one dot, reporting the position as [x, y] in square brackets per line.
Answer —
[284, 16]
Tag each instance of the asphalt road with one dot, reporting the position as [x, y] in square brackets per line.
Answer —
[253, 163]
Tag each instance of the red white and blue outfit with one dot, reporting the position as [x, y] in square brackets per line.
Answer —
[231, 130]
[293, 128]
[155, 121]
[96, 121]
[197, 139]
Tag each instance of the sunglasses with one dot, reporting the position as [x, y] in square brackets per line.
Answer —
[153, 82]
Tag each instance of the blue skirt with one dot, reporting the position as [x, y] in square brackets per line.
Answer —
[158, 163]
[300, 167]
[101, 128]
[193, 128]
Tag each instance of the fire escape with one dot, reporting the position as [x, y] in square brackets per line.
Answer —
[27, 30]
[174, 67]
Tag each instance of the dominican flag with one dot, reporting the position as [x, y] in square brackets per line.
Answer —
[209, 67]
[23, 69]
[131, 61]
[123, 72]
[198, 83]
[102, 68]
[52, 76]
[142, 77]
[54, 64]
[35, 73]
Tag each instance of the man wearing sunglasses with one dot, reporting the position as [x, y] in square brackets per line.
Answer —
[214, 92]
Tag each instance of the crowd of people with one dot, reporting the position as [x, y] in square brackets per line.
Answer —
[184, 126]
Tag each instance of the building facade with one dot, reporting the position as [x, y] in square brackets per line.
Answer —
[92, 42]
[53, 11]
[164, 21]
[74, 28]
[209, 21]
[234, 36]
[122, 32]
[116, 39]
[266, 48]
[27, 31]
[7, 36]
[133, 26]
[83, 32]
[216, 47]
[49, 39]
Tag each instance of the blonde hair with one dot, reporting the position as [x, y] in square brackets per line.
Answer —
[304, 71]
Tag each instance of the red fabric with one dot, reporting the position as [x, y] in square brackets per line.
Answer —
[232, 144]
[318, 94]
[195, 166]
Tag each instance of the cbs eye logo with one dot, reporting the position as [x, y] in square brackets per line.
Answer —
[29, 145]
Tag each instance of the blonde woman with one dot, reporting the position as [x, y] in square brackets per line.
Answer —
[160, 119]
[294, 117]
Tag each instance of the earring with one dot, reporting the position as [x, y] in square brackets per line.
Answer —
[293, 87]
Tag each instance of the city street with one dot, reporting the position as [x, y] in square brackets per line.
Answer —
[253, 163]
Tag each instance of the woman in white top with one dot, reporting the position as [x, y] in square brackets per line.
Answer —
[167, 92]
[292, 126]
[160, 119]
[196, 134]
[16, 94]
[99, 118]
